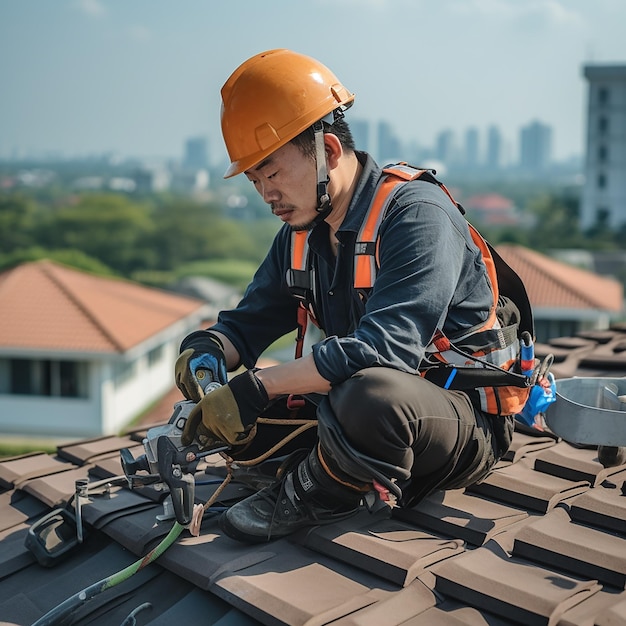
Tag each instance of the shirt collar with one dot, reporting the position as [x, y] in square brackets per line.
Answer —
[363, 194]
[358, 207]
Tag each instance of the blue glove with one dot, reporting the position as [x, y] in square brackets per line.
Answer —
[542, 394]
[201, 350]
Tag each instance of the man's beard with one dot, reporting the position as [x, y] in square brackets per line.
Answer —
[298, 227]
[307, 226]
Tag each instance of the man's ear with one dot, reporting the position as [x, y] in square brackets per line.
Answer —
[333, 149]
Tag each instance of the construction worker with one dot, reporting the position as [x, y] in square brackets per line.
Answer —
[382, 428]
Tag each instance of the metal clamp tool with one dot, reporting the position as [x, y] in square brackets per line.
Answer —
[167, 462]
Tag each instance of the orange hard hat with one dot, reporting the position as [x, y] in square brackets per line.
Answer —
[270, 99]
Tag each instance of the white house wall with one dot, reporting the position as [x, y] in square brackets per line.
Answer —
[111, 404]
[45, 416]
[122, 402]
[106, 409]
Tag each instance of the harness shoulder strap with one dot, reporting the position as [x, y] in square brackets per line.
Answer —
[298, 275]
[300, 279]
[366, 248]
[504, 280]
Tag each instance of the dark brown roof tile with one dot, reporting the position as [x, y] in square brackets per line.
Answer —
[520, 591]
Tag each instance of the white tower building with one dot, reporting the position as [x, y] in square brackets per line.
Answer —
[604, 194]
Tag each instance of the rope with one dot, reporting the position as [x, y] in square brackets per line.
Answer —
[200, 509]
[303, 425]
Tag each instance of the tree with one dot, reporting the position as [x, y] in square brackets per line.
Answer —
[72, 258]
[557, 224]
[186, 231]
[107, 227]
[18, 217]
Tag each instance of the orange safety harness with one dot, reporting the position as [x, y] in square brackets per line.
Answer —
[485, 361]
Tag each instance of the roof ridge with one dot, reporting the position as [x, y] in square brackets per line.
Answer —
[138, 287]
[49, 267]
[9, 275]
[536, 259]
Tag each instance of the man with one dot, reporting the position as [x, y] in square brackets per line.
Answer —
[381, 426]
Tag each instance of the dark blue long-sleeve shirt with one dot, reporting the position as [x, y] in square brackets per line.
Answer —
[431, 276]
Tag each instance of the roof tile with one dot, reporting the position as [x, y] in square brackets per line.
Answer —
[512, 588]
[45, 305]
[554, 284]
[398, 552]
[556, 542]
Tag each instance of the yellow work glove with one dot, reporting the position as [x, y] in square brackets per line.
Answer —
[201, 350]
[227, 414]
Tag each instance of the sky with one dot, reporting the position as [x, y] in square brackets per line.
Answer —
[139, 77]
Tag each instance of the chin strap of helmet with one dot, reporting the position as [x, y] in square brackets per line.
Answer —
[324, 206]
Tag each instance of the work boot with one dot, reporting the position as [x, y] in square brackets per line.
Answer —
[305, 496]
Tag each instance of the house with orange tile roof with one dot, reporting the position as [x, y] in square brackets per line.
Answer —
[565, 299]
[82, 355]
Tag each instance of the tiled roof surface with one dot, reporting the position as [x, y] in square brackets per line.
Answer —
[45, 305]
[553, 284]
[541, 541]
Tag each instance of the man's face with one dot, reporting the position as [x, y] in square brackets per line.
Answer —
[286, 180]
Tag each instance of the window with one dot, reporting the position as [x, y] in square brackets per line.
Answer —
[603, 95]
[155, 356]
[550, 329]
[602, 217]
[603, 125]
[603, 154]
[66, 379]
[123, 373]
[69, 379]
[21, 376]
[601, 181]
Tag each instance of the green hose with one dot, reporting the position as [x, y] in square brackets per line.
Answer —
[67, 607]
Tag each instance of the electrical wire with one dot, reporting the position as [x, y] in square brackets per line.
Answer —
[66, 608]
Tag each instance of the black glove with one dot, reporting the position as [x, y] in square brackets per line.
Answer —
[227, 414]
[201, 350]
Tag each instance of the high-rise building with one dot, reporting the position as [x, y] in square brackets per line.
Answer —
[472, 148]
[604, 193]
[389, 146]
[493, 157]
[196, 155]
[361, 134]
[445, 149]
[535, 147]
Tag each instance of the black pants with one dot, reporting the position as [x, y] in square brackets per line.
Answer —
[422, 436]
[433, 437]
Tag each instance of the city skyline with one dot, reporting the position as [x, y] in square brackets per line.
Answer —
[473, 147]
[367, 135]
[87, 77]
